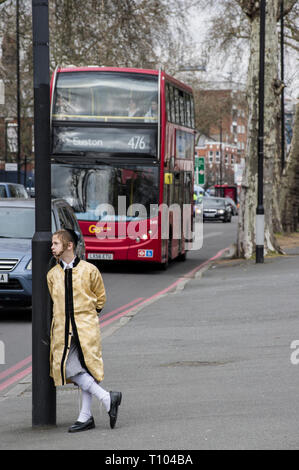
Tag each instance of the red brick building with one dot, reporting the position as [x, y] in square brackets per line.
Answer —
[225, 144]
[220, 160]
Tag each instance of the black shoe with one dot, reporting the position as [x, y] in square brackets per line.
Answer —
[115, 398]
[79, 426]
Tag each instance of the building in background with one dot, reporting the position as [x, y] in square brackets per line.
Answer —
[222, 113]
[9, 119]
[220, 160]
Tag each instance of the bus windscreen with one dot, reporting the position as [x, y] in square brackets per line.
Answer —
[106, 97]
[107, 192]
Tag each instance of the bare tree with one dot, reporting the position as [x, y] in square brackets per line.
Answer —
[136, 33]
[133, 33]
[240, 22]
[246, 234]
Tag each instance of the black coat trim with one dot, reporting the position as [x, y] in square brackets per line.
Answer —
[67, 288]
[69, 315]
[76, 262]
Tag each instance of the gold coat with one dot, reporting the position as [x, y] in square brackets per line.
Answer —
[75, 305]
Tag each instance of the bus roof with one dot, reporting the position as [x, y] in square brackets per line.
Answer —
[96, 68]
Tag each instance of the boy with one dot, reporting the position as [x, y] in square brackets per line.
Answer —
[77, 290]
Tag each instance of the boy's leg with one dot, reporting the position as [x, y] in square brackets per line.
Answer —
[85, 412]
[85, 420]
[111, 400]
[88, 384]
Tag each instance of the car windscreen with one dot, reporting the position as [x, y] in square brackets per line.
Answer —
[17, 222]
[210, 203]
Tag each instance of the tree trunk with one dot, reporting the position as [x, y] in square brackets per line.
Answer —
[289, 196]
[248, 199]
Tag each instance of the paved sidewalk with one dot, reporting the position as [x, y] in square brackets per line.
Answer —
[207, 366]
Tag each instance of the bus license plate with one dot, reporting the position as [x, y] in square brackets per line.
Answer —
[108, 256]
[3, 277]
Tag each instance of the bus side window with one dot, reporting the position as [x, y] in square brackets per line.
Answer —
[187, 187]
[188, 110]
[167, 100]
[182, 108]
[177, 106]
[192, 112]
[172, 103]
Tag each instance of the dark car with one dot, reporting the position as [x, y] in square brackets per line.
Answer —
[17, 227]
[216, 208]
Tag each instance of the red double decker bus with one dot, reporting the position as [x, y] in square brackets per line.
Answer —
[122, 148]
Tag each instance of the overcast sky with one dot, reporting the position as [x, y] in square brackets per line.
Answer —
[217, 71]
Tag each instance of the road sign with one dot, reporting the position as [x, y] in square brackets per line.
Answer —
[199, 170]
[11, 167]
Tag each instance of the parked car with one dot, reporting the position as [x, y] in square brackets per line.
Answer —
[13, 190]
[233, 205]
[216, 208]
[17, 227]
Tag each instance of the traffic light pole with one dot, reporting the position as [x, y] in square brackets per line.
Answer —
[43, 390]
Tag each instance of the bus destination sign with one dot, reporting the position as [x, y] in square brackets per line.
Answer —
[88, 139]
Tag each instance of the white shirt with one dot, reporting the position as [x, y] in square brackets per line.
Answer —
[68, 265]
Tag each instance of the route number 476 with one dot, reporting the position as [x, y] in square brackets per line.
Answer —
[137, 143]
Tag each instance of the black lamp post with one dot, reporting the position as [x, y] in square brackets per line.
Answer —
[260, 217]
[43, 390]
[282, 90]
[220, 153]
[18, 92]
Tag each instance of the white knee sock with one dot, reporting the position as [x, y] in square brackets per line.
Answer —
[85, 412]
[88, 384]
[101, 394]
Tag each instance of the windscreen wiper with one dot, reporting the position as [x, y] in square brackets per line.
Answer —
[103, 162]
[69, 154]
